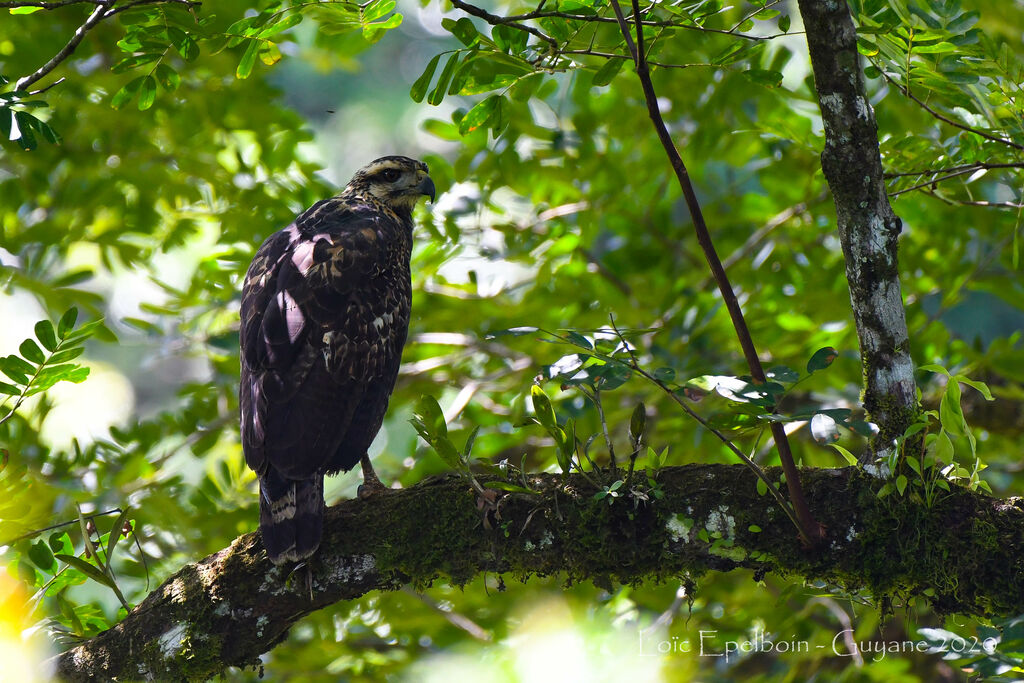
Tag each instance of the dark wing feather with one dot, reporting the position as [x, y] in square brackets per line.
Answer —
[324, 316]
[295, 405]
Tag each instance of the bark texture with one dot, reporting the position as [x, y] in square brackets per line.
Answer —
[234, 605]
[868, 228]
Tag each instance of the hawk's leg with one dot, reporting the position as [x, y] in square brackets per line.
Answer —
[371, 482]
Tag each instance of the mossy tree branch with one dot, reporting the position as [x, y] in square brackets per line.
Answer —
[234, 605]
[868, 227]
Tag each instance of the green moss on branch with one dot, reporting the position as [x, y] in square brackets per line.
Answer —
[964, 555]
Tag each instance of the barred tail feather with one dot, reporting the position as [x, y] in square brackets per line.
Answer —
[291, 516]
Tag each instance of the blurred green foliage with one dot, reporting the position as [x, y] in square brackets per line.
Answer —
[167, 154]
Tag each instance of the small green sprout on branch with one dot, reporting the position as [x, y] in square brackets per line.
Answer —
[45, 360]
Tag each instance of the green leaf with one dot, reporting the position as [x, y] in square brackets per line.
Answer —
[86, 568]
[448, 453]
[901, 484]
[428, 415]
[286, 23]
[542, 407]
[508, 486]
[951, 414]
[607, 72]
[862, 427]
[935, 48]
[637, 423]
[167, 77]
[6, 119]
[470, 440]
[765, 77]
[16, 364]
[42, 557]
[67, 322]
[19, 378]
[428, 420]
[60, 542]
[782, 373]
[115, 533]
[664, 375]
[437, 94]
[850, 458]
[375, 32]
[377, 9]
[48, 133]
[479, 115]
[248, 60]
[24, 10]
[784, 23]
[821, 359]
[26, 123]
[126, 93]
[579, 340]
[978, 386]
[269, 53]
[463, 29]
[419, 88]
[186, 47]
[762, 487]
[29, 349]
[942, 448]
[754, 529]
[147, 93]
[9, 389]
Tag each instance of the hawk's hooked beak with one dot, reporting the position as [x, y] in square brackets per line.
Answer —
[426, 187]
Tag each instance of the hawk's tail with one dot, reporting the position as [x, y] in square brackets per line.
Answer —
[291, 516]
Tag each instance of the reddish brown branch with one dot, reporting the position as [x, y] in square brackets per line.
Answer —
[810, 530]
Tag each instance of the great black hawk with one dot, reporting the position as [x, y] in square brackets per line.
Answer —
[324, 316]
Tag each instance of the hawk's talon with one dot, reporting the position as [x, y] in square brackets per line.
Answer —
[369, 489]
[372, 484]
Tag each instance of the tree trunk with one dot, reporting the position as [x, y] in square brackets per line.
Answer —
[868, 228]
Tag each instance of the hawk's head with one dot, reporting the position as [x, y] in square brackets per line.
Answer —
[397, 182]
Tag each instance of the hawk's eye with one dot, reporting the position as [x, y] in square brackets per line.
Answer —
[390, 174]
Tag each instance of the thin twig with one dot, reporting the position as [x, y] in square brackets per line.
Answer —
[751, 14]
[927, 183]
[612, 55]
[946, 119]
[761, 474]
[808, 528]
[95, 17]
[596, 398]
[606, 272]
[46, 5]
[975, 202]
[660, 23]
[977, 165]
[104, 10]
[758, 235]
[495, 20]
[454, 618]
[36, 532]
